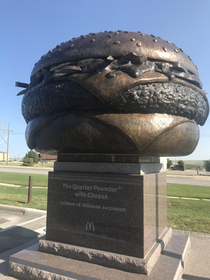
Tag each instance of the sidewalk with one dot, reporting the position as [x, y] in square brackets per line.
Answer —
[188, 198]
[20, 186]
[20, 228]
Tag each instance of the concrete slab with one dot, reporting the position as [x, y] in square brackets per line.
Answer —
[197, 266]
[19, 228]
[18, 235]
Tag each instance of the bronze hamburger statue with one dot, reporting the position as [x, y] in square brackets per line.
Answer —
[115, 93]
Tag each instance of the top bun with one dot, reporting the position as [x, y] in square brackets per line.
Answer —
[116, 44]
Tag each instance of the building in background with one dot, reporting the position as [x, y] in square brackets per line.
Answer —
[46, 157]
[3, 156]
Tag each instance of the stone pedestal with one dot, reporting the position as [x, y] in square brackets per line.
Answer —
[108, 210]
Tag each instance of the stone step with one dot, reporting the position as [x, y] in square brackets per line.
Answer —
[30, 264]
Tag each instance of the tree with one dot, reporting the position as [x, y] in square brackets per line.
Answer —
[33, 155]
[181, 163]
[207, 165]
[169, 163]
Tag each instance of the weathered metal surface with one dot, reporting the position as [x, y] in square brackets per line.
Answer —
[145, 134]
[116, 44]
[22, 85]
[167, 98]
[115, 92]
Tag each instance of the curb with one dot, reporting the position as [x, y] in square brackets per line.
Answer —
[191, 233]
[21, 210]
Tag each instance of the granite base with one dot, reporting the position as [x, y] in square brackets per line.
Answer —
[35, 265]
[118, 261]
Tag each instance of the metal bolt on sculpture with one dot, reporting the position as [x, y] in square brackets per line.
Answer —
[116, 93]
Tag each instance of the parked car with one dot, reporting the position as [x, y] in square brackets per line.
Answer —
[178, 167]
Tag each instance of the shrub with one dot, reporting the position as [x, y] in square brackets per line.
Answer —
[33, 155]
[28, 162]
[181, 163]
[169, 163]
[207, 165]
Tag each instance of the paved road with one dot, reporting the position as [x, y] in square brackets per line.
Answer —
[188, 177]
[187, 181]
[27, 170]
[176, 180]
[188, 172]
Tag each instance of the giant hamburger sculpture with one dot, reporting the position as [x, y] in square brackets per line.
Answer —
[114, 92]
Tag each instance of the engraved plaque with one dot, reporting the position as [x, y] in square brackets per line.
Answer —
[105, 211]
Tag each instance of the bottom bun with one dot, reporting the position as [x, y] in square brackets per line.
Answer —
[144, 134]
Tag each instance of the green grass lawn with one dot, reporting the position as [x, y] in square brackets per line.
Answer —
[188, 191]
[23, 178]
[189, 215]
[19, 197]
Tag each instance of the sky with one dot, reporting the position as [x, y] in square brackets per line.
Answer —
[28, 29]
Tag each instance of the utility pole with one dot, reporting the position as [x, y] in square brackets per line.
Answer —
[4, 140]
